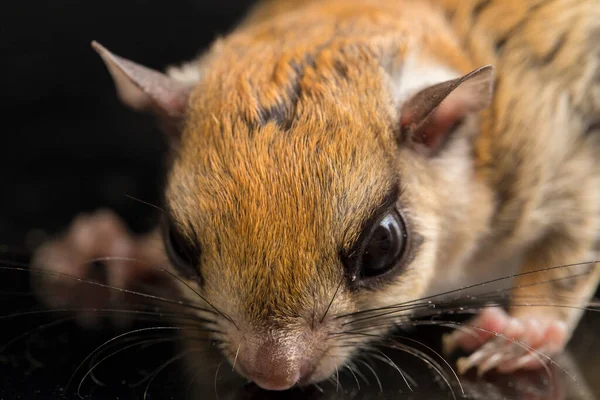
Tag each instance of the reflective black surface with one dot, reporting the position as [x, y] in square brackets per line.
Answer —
[69, 146]
[56, 359]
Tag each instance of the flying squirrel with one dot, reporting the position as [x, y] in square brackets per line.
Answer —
[334, 161]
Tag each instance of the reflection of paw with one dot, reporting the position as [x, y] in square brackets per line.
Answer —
[505, 343]
[89, 237]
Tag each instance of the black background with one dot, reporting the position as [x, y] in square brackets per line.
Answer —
[70, 146]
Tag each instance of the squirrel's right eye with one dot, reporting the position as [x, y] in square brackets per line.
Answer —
[184, 255]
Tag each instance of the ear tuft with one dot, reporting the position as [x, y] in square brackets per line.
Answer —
[431, 114]
[144, 89]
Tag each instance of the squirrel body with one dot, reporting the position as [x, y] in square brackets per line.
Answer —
[316, 126]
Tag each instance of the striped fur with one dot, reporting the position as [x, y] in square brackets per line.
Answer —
[289, 144]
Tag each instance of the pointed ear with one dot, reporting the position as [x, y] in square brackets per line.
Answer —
[144, 89]
[431, 115]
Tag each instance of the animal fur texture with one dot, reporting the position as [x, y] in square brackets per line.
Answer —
[289, 138]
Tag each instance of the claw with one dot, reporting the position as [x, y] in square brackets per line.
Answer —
[464, 364]
[517, 343]
[472, 335]
[491, 363]
[532, 359]
[456, 339]
[486, 358]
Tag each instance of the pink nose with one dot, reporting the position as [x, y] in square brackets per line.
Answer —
[273, 367]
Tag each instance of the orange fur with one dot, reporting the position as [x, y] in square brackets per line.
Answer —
[278, 197]
[283, 201]
[290, 141]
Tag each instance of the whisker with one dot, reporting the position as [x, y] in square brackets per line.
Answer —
[366, 364]
[146, 203]
[319, 388]
[353, 374]
[103, 311]
[396, 310]
[165, 365]
[388, 319]
[450, 307]
[387, 342]
[31, 359]
[236, 356]
[166, 271]
[108, 342]
[337, 378]
[359, 373]
[124, 341]
[525, 285]
[427, 360]
[21, 268]
[332, 299]
[473, 286]
[337, 371]
[512, 276]
[332, 380]
[439, 356]
[553, 305]
[384, 358]
[90, 372]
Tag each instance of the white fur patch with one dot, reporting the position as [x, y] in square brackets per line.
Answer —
[187, 73]
[416, 74]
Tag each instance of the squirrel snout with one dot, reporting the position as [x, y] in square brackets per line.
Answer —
[276, 365]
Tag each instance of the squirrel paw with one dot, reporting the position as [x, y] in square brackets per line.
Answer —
[85, 268]
[505, 343]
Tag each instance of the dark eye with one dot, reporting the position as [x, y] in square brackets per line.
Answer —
[383, 247]
[183, 254]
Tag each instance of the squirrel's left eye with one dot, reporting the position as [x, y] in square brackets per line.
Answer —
[382, 247]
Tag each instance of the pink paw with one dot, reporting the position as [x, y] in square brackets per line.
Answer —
[506, 343]
[64, 267]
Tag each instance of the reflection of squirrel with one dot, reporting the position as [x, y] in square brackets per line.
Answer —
[330, 158]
